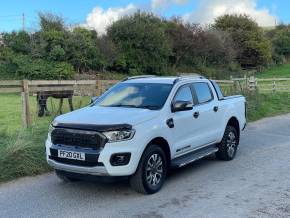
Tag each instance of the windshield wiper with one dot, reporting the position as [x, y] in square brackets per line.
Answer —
[150, 107]
[123, 105]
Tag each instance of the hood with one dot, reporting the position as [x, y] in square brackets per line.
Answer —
[97, 115]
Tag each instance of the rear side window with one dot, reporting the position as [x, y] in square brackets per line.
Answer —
[203, 92]
[184, 94]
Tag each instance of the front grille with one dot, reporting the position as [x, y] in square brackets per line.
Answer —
[75, 162]
[81, 138]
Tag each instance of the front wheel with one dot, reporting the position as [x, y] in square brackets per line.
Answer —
[229, 144]
[151, 172]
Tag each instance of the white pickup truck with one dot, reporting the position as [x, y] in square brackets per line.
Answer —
[142, 127]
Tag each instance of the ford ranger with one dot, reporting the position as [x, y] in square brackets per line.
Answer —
[144, 126]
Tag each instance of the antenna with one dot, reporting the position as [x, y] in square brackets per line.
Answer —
[23, 21]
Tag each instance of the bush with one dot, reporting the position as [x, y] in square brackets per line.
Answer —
[24, 66]
[253, 48]
[142, 44]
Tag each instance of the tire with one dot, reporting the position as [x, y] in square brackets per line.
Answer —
[149, 179]
[65, 178]
[229, 144]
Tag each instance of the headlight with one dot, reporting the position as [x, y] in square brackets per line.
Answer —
[50, 129]
[116, 136]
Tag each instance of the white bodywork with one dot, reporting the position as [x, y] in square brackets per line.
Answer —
[150, 124]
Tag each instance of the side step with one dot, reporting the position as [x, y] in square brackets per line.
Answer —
[193, 156]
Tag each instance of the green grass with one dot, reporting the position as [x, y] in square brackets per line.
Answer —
[276, 71]
[22, 150]
[266, 105]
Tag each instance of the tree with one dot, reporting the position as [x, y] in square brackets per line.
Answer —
[49, 21]
[17, 41]
[82, 50]
[195, 48]
[108, 51]
[253, 48]
[280, 37]
[51, 40]
[141, 43]
[182, 38]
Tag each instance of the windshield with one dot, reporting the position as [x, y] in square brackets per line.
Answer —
[138, 95]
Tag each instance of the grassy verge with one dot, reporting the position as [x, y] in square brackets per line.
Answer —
[22, 150]
[266, 105]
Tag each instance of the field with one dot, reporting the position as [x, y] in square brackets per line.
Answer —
[276, 71]
[22, 150]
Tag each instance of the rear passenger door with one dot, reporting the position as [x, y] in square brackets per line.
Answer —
[207, 113]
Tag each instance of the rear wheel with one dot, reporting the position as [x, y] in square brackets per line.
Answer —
[151, 172]
[65, 178]
[229, 144]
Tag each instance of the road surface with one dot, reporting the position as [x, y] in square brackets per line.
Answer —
[255, 184]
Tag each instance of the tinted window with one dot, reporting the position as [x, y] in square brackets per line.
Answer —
[203, 92]
[183, 94]
[137, 95]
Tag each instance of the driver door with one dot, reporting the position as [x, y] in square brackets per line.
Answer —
[184, 123]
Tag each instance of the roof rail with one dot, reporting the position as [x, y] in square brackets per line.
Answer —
[138, 77]
[188, 75]
[191, 75]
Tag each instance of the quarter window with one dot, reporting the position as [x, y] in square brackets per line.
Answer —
[203, 92]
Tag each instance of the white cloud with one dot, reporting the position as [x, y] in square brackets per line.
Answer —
[159, 5]
[210, 9]
[99, 19]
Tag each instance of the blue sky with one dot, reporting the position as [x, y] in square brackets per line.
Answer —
[203, 11]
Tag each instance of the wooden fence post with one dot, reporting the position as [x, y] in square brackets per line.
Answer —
[274, 86]
[99, 91]
[26, 119]
[235, 87]
[252, 84]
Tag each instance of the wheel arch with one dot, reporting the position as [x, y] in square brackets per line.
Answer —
[163, 143]
[234, 122]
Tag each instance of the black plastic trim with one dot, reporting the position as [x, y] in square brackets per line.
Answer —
[93, 178]
[127, 157]
[92, 127]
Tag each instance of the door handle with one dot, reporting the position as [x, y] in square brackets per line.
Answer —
[215, 108]
[196, 114]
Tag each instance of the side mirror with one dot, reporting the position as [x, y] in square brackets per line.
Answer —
[93, 99]
[181, 106]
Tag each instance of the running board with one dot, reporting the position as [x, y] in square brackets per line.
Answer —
[193, 156]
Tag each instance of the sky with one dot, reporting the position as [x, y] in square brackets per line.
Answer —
[98, 14]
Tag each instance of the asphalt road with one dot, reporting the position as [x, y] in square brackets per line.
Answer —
[255, 184]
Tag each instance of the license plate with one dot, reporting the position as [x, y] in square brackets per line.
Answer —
[71, 155]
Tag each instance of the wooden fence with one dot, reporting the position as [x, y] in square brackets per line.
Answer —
[97, 87]
[26, 88]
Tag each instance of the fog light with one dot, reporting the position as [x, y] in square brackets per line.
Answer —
[120, 159]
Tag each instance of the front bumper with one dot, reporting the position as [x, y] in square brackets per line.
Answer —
[96, 171]
[104, 167]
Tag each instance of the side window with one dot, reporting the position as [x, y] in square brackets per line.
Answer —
[203, 92]
[184, 94]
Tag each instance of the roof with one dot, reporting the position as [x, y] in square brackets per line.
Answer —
[162, 79]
